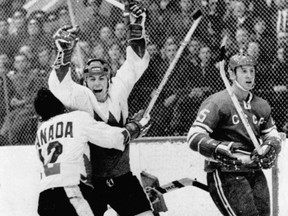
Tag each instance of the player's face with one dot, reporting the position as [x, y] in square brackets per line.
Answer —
[245, 76]
[98, 84]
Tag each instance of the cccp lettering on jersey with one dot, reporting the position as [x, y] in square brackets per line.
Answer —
[56, 131]
[236, 119]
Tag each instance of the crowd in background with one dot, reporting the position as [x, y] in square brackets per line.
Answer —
[253, 26]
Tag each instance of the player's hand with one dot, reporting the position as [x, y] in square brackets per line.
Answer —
[135, 18]
[224, 153]
[138, 125]
[153, 194]
[270, 150]
[65, 39]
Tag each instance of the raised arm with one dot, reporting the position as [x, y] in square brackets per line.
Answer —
[137, 57]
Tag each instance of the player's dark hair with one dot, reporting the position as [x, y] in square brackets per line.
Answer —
[47, 105]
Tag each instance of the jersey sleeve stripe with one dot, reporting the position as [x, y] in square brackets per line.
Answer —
[204, 126]
[268, 130]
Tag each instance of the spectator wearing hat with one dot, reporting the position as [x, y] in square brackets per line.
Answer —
[19, 126]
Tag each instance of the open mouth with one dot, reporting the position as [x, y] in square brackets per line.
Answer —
[97, 91]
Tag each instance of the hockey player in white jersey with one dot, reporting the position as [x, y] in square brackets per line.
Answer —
[106, 98]
[61, 142]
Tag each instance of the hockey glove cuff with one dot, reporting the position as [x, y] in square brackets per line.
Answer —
[135, 18]
[138, 126]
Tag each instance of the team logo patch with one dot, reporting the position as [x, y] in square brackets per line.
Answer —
[96, 69]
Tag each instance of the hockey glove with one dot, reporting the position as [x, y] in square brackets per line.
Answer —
[65, 39]
[135, 17]
[270, 149]
[138, 125]
[224, 153]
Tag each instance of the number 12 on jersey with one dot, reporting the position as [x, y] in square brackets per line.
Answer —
[54, 149]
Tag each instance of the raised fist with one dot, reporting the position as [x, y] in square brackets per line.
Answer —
[135, 17]
[65, 39]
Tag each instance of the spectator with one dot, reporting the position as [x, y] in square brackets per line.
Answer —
[154, 23]
[180, 21]
[45, 57]
[263, 74]
[120, 36]
[267, 40]
[193, 51]
[281, 20]
[99, 51]
[202, 81]
[27, 50]
[242, 39]
[20, 126]
[211, 24]
[6, 41]
[51, 23]
[169, 40]
[6, 88]
[93, 26]
[106, 37]
[63, 16]
[161, 12]
[279, 79]
[18, 27]
[115, 58]
[164, 105]
[240, 18]
[36, 35]
[140, 95]
[38, 15]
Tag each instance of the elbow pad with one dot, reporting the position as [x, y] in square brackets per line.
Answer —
[204, 144]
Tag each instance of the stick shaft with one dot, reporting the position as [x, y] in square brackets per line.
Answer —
[116, 4]
[172, 65]
[72, 17]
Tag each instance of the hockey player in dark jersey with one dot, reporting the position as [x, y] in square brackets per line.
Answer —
[106, 98]
[237, 187]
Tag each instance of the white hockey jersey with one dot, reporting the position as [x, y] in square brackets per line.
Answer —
[75, 96]
[61, 142]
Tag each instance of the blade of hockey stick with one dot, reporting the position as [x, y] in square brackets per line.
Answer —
[177, 184]
[235, 100]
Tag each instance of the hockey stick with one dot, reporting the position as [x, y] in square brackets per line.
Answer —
[78, 51]
[197, 17]
[180, 183]
[235, 100]
[116, 4]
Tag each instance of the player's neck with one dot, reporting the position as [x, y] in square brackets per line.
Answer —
[240, 94]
